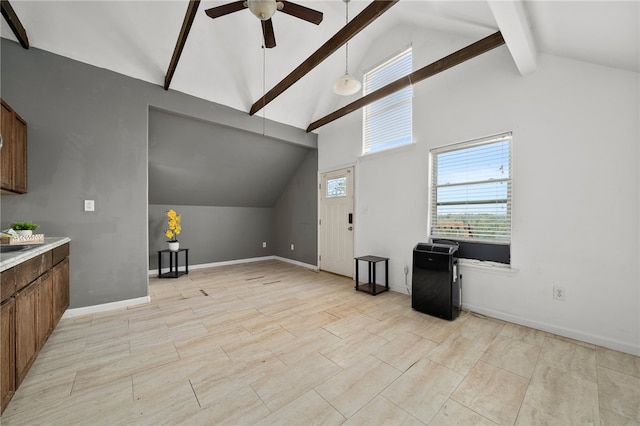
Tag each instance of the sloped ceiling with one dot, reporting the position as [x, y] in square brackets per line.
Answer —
[223, 60]
[193, 162]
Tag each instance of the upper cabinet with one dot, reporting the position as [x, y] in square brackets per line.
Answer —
[13, 154]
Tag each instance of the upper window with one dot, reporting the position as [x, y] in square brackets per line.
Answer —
[387, 122]
[471, 191]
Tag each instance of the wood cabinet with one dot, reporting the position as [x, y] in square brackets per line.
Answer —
[29, 270]
[7, 283]
[13, 154]
[8, 357]
[6, 152]
[44, 303]
[35, 295]
[60, 289]
[25, 329]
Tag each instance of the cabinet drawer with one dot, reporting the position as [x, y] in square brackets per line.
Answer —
[31, 269]
[7, 283]
[60, 253]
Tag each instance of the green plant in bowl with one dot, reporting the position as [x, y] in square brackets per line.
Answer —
[24, 229]
[24, 226]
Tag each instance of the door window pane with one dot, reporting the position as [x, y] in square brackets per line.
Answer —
[337, 187]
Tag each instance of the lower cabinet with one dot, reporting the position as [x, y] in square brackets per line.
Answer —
[26, 329]
[30, 314]
[44, 320]
[60, 289]
[7, 340]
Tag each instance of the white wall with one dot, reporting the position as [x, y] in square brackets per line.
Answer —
[575, 178]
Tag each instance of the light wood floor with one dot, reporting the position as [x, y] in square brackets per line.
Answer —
[273, 343]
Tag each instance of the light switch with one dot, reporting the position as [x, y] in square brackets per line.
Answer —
[89, 205]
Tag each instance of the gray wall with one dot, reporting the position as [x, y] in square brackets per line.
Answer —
[87, 139]
[218, 234]
[213, 234]
[199, 163]
[296, 214]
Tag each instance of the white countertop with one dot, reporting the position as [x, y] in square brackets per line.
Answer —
[13, 258]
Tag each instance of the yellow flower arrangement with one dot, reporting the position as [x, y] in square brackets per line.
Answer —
[174, 225]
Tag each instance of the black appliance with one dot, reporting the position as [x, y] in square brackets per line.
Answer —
[436, 287]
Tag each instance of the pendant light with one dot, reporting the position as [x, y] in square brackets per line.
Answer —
[347, 84]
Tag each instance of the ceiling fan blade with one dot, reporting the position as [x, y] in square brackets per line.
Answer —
[301, 12]
[225, 9]
[269, 35]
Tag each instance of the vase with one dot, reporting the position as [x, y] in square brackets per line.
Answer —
[25, 232]
[174, 245]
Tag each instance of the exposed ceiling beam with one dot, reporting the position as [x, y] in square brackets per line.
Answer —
[456, 58]
[14, 23]
[182, 39]
[513, 22]
[357, 24]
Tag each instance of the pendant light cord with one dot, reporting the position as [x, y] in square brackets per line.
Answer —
[264, 88]
[346, 21]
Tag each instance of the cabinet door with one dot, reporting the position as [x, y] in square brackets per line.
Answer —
[26, 341]
[60, 289]
[19, 155]
[44, 317]
[6, 153]
[7, 352]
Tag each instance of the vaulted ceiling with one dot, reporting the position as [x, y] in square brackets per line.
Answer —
[223, 60]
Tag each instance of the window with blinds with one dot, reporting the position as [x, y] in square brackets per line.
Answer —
[471, 191]
[388, 121]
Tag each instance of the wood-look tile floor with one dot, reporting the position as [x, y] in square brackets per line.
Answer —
[273, 343]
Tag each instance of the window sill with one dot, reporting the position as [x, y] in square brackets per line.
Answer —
[491, 267]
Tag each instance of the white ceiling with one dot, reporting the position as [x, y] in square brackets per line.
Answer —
[223, 59]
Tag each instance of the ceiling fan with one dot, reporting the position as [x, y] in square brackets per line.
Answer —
[264, 10]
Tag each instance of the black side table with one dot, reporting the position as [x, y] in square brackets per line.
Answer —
[173, 263]
[371, 286]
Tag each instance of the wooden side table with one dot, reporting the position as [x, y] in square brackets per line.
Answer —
[371, 287]
[173, 263]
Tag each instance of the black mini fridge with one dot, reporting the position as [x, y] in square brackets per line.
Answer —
[436, 287]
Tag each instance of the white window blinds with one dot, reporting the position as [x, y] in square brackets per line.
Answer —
[471, 192]
[388, 121]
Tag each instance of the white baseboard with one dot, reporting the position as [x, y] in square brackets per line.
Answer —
[237, 262]
[295, 262]
[70, 313]
[560, 331]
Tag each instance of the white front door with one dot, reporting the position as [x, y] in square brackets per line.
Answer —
[336, 222]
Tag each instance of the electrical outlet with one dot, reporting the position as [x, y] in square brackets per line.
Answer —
[559, 293]
[292, 246]
[89, 205]
[264, 244]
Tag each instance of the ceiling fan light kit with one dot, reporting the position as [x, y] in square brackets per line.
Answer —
[263, 9]
[346, 85]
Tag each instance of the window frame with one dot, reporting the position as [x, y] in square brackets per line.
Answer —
[483, 249]
[373, 141]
